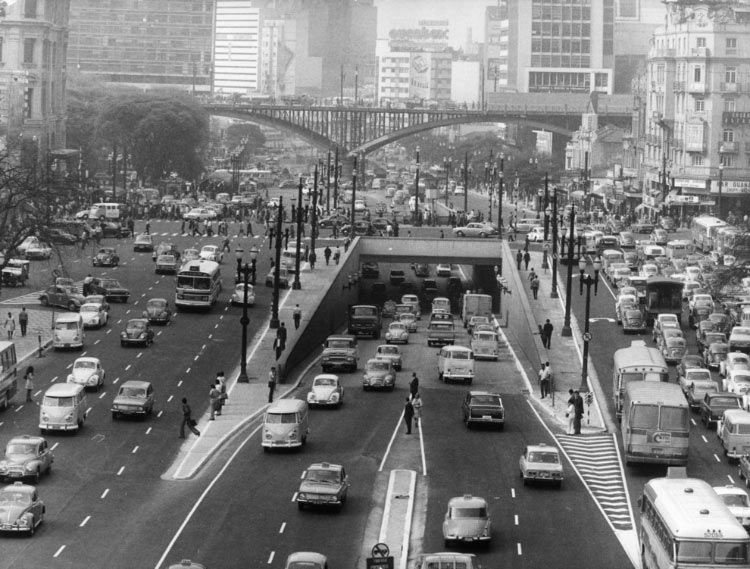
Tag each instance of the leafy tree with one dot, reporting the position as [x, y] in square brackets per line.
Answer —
[237, 131]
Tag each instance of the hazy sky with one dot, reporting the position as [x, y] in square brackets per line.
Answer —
[461, 14]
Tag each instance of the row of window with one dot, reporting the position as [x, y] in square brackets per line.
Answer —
[557, 60]
[560, 46]
[566, 30]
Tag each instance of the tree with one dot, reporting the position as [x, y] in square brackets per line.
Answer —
[251, 132]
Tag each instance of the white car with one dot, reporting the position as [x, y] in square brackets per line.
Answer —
[409, 320]
[737, 381]
[26, 243]
[397, 332]
[38, 251]
[211, 253]
[700, 298]
[326, 390]
[443, 270]
[413, 301]
[94, 315]
[734, 361]
[459, 191]
[201, 213]
[536, 234]
[738, 502]
[649, 270]
[694, 274]
[689, 289]
[88, 372]
[360, 205]
[238, 295]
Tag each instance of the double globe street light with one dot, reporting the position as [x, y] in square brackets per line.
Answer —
[588, 281]
[248, 274]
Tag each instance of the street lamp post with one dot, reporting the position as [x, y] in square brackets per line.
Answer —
[500, 195]
[336, 181]
[417, 220]
[328, 183]
[238, 253]
[298, 221]
[254, 260]
[354, 197]
[488, 186]
[314, 214]
[588, 281]
[553, 293]
[539, 195]
[546, 207]
[466, 181]
[246, 270]
[276, 268]
[567, 331]
[721, 184]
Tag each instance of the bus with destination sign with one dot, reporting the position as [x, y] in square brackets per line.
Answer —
[198, 284]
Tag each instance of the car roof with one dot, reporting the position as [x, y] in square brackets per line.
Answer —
[133, 320]
[26, 439]
[310, 556]
[87, 359]
[326, 376]
[136, 383]
[467, 500]
[541, 447]
[63, 390]
[325, 466]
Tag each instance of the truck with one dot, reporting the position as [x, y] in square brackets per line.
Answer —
[365, 319]
[476, 305]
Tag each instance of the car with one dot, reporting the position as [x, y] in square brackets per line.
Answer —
[322, 484]
[711, 337]
[443, 270]
[475, 229]
[734, 360]
[190, 255]
[713, 406]
[634, 321]
[306, 560]
[695, 385]
[134, 398]
[22, 510]
[64, 296]
[526, 225]
[397, 276]
[467, 520]
[238, 295]
[738, 502]
[381, 224]
[536, 234]
[361, 227]
[397, 332]
[664, 321]
[200, 214]
[283, 277]
[186, 563]
[59, 236]
[701, 299]
[409, 320]
[360, 206]
[166, 265]
[483, 408]
[211, 253]
[721, 322]
[379, 374]
[110, 288]
[689, 361]
[335, 220]
[390, 353]
[158, 311]
[744, 469]
[421, 269]
[370, 270]
[673, 347]
[38, 252]
[114, 229]
[666, 334]
[541, 463]
[106, 257]
[137, 331]
[87, 371]
[642, 226]
[738, 381]
[326, 390]
[475, 321]
[143, 242]
[625, 302]
[26, 457]
[715, 354]
[667, 223]
[698, 315]
[94, 315]
[98, 299]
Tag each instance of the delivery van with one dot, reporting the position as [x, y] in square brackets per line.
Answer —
[734, 433]
[456, 363]
[106, 210]
[68, 331]
[285, 424]
[63, 408]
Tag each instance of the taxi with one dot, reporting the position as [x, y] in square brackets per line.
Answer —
[467, 520]
[323, 484]
[21, 507]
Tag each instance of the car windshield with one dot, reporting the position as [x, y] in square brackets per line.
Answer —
[545, 457]
[486, 400]
[89, 308]
[137, 392]
[20, 448]
[157, 303]
[467, 513]
[325, 381]
[396, 326]
[137, 325]
[342, 344]
[303, 565]
[740, 500]
[85, 365]
[388, 350]
[324, 476]
[378, 365]
[57, 401]
[699, 375]
[109, 283]
[281, 418]
[106, 251]
[10, 497]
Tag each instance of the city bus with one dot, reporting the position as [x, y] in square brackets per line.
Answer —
[685, 523]
[636, 363]
[703, 230]
[198, 284]
[655, 423]
[663, 296]
[733, 241]
[8, 373]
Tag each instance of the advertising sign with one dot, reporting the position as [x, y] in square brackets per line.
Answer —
[428, 35]
[419, 75]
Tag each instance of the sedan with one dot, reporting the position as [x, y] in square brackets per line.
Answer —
[536, 234]
[633, 321]
[397, 332]
[238, 295]
[135, 398]
[481, 407]
[306, 560]
[379, 374]
[391, 353]
[715, 354]
[38, 251]
[158, 311]
[397, 276]
[166, 265]
[137, 331]
[143, 242]
[335, 220]
[88, 372]
[63, 296]
[190, 255]
[409, 320]
[476, 229]
[734, 360]
[94, 315]
[201, 214]
[110, 288]
[283, 277]
[106, 257]
[326, 390]
[421, 269]
[322, 484]
[212, 253]
[26, 456]
[443, 270]
[22, 509]
[467, 520]
[541, 463]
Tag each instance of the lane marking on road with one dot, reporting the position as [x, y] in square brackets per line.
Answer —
[110, 330]
[102, 395]
[270, 557]
[159, 333]
[148, 431]
[516, 519]
[216, 326]
[187, 370]
[122, 469]
[55, 378]
[116, 380]
[127, 367]
[518, 549]
[731, 480]
[159, 414]
[119, 321]
[203, 347]
[283, 526]
[19, 408]
[139, 355]
[294, 497]
[59, 551]
[135, 449]
[104, 494]
[84, 522]
[169, 399]
[717, 458]
[70, 365]
[195, 359]
[705, 440]
[127, 311]
[38, 393]
[54, 446]
[97, 341]
[512, 492]
[693, 422]
[179, 383]
[210, 336]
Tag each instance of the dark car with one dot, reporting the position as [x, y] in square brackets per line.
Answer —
[429, 288]
[158, 311]
[114, 229]
[667, 223]
[481, 407]
[137, 331]
[361, 227]
[714, 354]
[633, 321]
[397, 276]
[714, 404]
[721, 321]
[63, 296]
[106, 257]
[709, 338]
[333, 220]
[60, 237]
[378, 291]
[166, 249]
[370, 270]
[689, 361]
[380, 224]
[421, 269]
[110, 288]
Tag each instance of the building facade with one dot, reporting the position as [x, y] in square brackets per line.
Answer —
[236, 48]
[696, 142]
[33, 43]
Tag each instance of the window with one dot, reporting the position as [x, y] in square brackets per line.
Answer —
[28, 50]
[727, 160]
[700, 104]
[700, 42]
[29, 9]
[728, 135]
[730, 105]
[731, 46]
[697, 74]
[730, 75]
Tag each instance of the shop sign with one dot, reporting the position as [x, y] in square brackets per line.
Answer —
[683, 200]
[731, 186]
[690, 183]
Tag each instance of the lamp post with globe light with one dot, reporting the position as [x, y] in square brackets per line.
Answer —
[588, 281]
[246, 271]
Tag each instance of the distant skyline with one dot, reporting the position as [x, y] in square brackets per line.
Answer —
[461, 14]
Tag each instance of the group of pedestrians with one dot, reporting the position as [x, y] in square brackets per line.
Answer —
[413, 406]
[23, 323]
[574, 412]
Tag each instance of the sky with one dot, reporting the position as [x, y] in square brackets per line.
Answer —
[461, 14]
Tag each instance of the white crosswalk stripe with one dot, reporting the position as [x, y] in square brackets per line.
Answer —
[597, 460]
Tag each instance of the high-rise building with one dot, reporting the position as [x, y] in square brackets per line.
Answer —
[236, 47]
[33, 40]
[695, 148]
[145, 43]
[635, 22]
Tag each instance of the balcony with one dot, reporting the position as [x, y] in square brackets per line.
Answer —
[678, 86]
[697, 87]
[726, 147]
[700, 52]
[661, 52]
[695, 146]
[730, 87]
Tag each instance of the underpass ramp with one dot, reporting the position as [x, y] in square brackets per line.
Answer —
[597, 460]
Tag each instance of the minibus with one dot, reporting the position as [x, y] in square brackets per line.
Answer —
[456, 363]
[285, 424]
[63, 408]
[68, 331]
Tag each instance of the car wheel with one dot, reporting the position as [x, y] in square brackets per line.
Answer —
[440, 377]
[300, 506]
[122, 344]
[482, 235]
[36, 476]
[44, 301]
[72, 306]
[459, 234]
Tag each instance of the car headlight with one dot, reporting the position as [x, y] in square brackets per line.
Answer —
[24, 521]
[71, 377]
[333, 397]
[29, 467]
[142, 336]
[124, 335]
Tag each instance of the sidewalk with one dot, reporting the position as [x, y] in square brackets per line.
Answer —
[38, 333]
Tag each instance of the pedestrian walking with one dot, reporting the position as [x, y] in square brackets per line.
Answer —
[346, 244]
[10, 325]
[23, 320]
[281, 335]
[221, 384]
[532, 275]
[526, 260]
[225, 246]
[271, 384]
[535, 287]
[87, 284]
[416, 403]
[540, 376]
[546, 380]
[327, 254]
[578, 404]
[548, 328]
[519, 259]
[214, 398]
[249, 231]
[182, 227]
[187, 420]
[408, 415]
[442, 235]
[277, 349]
[413, 385]
[29, 382]
[311, 258]
[337, 256]
[297, 316]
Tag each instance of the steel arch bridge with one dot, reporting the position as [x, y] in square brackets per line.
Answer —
[361, 130]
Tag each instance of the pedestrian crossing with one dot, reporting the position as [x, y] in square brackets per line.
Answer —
[597, 461]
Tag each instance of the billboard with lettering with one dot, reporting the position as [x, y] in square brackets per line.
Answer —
[419, 75]
[428, 35]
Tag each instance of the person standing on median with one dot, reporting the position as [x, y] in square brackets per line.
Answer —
[187, 420]
[416, 403]
[281, 335]
[413, 385]
[23, 320]
[408, 415]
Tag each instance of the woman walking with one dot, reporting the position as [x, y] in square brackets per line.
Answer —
[29, 382]
[416, 403]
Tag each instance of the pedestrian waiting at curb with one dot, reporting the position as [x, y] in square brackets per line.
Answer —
[271, 384]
